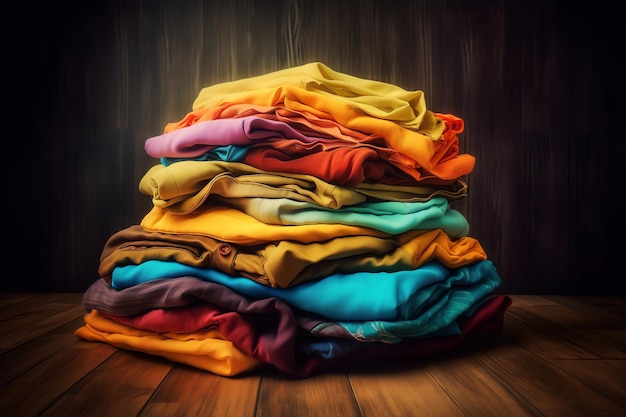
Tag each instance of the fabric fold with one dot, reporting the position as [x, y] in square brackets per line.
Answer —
[400, 295]
[205, 349]
[288, 263]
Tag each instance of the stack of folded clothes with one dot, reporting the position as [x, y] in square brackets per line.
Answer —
[301, 221]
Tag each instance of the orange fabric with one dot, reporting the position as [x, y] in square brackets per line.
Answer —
[298, 99]
[427, 152]
[205, 349]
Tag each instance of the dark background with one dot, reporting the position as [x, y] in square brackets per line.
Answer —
[539, 84]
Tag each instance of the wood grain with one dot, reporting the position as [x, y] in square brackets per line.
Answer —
[402, 392]
[192, 392]
[542, 387]
[324, 395]
[120, 386]
[473, 389]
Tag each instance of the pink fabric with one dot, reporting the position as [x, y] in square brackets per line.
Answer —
[200, 138]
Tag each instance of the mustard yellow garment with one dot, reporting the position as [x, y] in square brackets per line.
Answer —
[207, 349]
[374, 98]
[234, 226]
[184, 186]
[414, 249]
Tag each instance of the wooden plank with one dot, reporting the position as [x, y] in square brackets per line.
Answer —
[12, 298]
[30, 305]
[38, 321]
[526, 300]
[400, 391]
[606, 377]
[32, 391]
[473, 389]
[120, 387]
[541, 387]
[576, 327]
[193, 392]
[317, 396]
[545, 344]
[22, 357]
[610, 309]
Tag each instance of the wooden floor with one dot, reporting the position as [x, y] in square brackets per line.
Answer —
[556, 356]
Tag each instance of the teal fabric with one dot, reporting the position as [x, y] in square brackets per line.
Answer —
[429, 297]
[231, 153]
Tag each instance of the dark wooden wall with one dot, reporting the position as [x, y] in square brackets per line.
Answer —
[540, 85]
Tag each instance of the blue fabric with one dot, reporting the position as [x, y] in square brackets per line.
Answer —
[230, 153]
[326, 347]
[420, 295]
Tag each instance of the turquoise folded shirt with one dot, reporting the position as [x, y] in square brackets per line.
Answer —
[405, 303]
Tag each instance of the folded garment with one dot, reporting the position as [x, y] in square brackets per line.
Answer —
[221, 309]
[287, 263]
[390, 217]
[202, 137]
[297, 355]
[487, 320]
[182, 187]
[348, 165]
[454, 190]
[265, 329]
[432, 291]
[253, 131]
[231, 225]
[371, 97]
[306, 123]
[206, 349]
[313, 125]
[423, 144]
[234, 226]
[446, 147]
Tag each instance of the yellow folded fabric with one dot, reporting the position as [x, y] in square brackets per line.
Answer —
[207, 349]
[234, 226]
